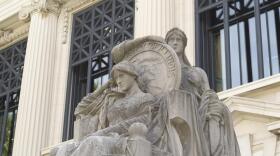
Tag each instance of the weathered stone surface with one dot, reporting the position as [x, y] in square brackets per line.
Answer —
[158, 65]
[146, 109]
[137, 141]
[213, 115]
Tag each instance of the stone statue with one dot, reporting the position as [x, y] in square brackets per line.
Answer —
[129, 105]
[120, 108]
[155, 104]
[214, 115]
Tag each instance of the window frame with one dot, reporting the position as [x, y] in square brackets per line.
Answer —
[14, 65]
[68, 130]
[204, 40]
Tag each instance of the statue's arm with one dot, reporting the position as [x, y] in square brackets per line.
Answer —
[122, 127]
[118, 52]
[214, 107]
[130, 44]
[91, 103]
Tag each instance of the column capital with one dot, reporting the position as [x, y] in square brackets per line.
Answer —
[44, 7]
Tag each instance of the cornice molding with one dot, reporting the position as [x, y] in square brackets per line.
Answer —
[10, 35]
[254, 86]
[253, 106]
[274, 127]
[49, 6]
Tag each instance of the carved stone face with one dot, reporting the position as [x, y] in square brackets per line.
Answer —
[176, 42]
[124, 81]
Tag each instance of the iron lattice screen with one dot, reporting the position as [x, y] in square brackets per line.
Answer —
[96, 30]
[237, 41]
[11, 69]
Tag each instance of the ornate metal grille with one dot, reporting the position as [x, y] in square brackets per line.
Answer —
[237, 41]
[11, 68]
[95, 31]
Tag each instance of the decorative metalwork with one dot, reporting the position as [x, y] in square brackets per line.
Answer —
[11, 68]
[95, 31]
[237, 41]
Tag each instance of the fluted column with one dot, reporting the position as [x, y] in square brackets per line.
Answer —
[185, 20]
[156, 17]
[32, 128]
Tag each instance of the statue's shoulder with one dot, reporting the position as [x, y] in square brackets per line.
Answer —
[199, 70]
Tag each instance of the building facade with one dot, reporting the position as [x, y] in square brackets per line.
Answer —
[54, 52]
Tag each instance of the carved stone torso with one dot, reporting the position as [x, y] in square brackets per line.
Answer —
[129, 107]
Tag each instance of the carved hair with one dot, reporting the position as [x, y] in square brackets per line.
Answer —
[131, 69]
[126, 67]
[179, 32]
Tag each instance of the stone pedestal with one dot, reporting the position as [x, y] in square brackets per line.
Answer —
[32, 131]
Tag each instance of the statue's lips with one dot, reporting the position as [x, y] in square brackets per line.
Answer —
[174, 47]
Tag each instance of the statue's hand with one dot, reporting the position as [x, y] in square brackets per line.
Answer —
[209, 96]
[206, 96]
[215, 107]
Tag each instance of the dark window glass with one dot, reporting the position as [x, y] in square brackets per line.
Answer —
[243, 38]
[11, 68]
[96, 30]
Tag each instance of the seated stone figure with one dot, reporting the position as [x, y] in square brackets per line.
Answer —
[119, 110]
[146, 97]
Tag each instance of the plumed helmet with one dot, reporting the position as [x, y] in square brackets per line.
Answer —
[126, 67]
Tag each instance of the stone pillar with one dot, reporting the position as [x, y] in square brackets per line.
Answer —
[32, 130]
[156, 17]
[185, 19]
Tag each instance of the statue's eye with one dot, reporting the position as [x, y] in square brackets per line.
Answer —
[179, 39]
[171, 39]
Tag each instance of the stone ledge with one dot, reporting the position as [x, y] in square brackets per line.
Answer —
[274, 127]
[253, 106]
[272, 80]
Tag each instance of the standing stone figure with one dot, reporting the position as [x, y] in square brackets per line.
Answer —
[214, 115]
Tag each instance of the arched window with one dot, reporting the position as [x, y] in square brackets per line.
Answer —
[11, 68]
[96, 30]
[237, 41]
